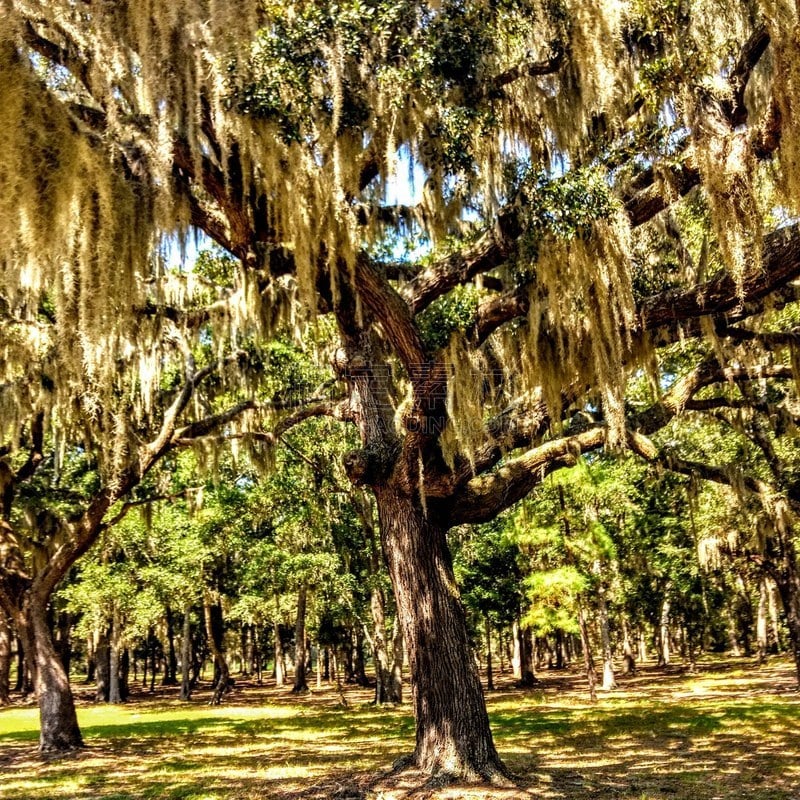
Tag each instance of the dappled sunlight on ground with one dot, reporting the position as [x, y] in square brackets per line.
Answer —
[728, 731]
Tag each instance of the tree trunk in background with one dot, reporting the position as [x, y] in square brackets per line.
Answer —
[214, 630]
[300, 681]
[102, 670]
[280, 664]
[360, 666]
[609, 681]
[64, 640]
[453, 735]
[559, 649]
[91, 665]
[114, 695]
[487, 628]
[394, 691]
[380, 653]
[171, 660]
[523, 655]
[663, 634]
[186, 654]
[5, 658]
[588, 660]
[773, 597]
[628, 659]
[124, 674]
[59, 723]
[762, 635]
[733, 639]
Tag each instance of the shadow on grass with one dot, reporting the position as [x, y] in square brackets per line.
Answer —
[646, 742]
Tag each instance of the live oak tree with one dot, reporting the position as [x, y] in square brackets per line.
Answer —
[51, 514]
[543, 134]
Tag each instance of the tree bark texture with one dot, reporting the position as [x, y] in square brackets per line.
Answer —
[102, 671]
[453, 736]
[214, 632]
[59, 723]
[114, 694]
[186, 654]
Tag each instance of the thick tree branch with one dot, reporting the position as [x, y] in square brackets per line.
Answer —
[485, 496]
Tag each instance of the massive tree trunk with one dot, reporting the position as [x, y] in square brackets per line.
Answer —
[453, 736]
[59, 722]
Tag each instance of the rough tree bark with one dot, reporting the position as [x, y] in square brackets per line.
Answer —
[59, 723]
[186, 654]
[114, 643]
[453, 735]
[214, 633]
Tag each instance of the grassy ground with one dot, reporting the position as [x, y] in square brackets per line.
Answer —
[730, 731]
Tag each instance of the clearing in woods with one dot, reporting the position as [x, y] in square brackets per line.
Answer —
[728, 731]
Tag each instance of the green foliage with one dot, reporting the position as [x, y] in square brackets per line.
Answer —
[455, 311]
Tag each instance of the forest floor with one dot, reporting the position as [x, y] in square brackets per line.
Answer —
[730, 730]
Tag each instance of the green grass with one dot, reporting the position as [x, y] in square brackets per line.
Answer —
[727, 733]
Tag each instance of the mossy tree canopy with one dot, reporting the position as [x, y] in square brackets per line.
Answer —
[548, 136]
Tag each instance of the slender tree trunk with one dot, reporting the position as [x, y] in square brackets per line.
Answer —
[664, 649]
[300, 681]
[359, 665]
[102, 672]
[487, 627]
[762, 635]
[5, 658]
[124, 674]
[628, 660]
[380, 653]
[113, 661]
[59, 723]
[733, 639]
[280, 665]
[186, 654]
[453, 735]
[523, 655]
[171, 660]
[214, 633]
[588, 660]
[394, 691]
[609, 681]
